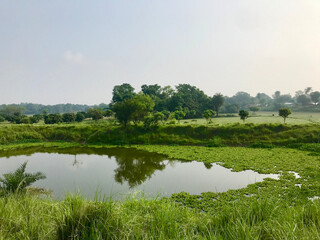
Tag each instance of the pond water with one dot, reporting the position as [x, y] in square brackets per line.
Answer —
[116, 172]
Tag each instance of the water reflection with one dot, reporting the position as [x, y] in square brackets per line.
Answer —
[136, 169]
[117, 171]
[134, 166]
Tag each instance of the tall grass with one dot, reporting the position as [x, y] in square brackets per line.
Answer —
[26, 217]
[237, 134]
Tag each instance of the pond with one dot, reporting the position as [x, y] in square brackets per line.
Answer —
[116, 172]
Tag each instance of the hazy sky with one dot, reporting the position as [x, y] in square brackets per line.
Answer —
[75, 51]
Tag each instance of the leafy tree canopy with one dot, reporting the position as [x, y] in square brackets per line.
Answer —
[243, 115]
[284, 112]
[133, 109]
[217, 102]
[122, 92]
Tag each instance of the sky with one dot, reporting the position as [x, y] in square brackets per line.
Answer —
[76, 51]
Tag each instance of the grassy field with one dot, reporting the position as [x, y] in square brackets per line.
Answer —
[262, 118]
[255, 118]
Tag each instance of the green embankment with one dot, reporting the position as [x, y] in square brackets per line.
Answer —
[233, 135]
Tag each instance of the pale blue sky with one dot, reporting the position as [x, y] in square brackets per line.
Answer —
[76, 51]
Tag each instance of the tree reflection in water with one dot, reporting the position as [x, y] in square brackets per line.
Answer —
[134, 166]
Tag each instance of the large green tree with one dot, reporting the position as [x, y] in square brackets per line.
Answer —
[217, 102]
[191, 99]
[122, 92]
[133, 109]
[151, 90]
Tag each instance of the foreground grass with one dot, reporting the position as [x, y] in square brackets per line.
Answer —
[26, 217]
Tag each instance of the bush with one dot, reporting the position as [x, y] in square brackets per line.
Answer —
[53, 118]
[68, 117]
[80, 116]
[19, 180]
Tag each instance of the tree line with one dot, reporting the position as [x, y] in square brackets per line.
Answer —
[154, 103]
[33, 108]
[193, 101]
[14, 114]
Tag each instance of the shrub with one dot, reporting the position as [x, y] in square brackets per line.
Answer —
[18, 180]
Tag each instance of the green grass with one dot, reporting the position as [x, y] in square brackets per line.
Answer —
[228, 134]
[26, 217]
[261, 118]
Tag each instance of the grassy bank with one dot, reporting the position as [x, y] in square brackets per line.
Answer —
[233, 135]
[26, 217]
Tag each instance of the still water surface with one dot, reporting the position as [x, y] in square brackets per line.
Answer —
[118, 171]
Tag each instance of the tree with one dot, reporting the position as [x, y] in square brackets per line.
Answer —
[242, 99]
[166, 114]
[133, 109]
[179, 115]
[280, 100]
[315, 97]
[13, 113]
[307, 90]
[18, 180]
[25, 120]
[108, 113]
[153, 120]
[36, 118]
[208, 115]
[151, 90]
[230, 108]
[284, 112]
[303, 99]
[263, 99]
[95, 113]
[276, 94]
[53, 118]
[68, 117]
[190, 97]
[254, 109]
[243, 115]
[122, 92]
[80, 116]
[217, 102]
